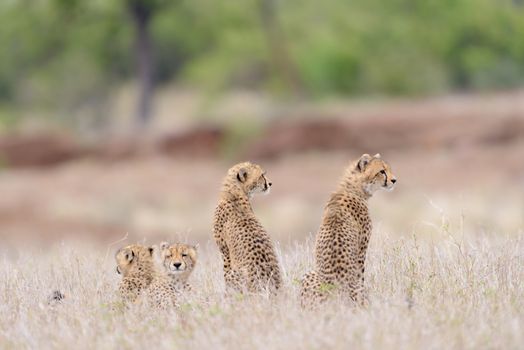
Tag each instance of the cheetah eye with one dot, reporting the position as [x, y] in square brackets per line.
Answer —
[383, 172]
[184, 255]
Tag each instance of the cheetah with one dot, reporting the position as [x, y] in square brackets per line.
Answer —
[342, 240]
[174, 264]
[135, 264]
[249, 259]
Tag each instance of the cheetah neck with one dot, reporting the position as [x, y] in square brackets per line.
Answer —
[352, 185]
[237, 199]
[146, 274]
[176, 282]
[141, 269]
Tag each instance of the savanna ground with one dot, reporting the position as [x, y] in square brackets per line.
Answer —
[453, 292]
[444, 270]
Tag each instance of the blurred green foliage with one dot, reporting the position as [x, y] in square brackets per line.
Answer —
[65, 53]
[238, 135]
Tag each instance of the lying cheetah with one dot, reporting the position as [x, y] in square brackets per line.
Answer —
[250, 262]
[135, 264]
[342, 240]
[174, 264]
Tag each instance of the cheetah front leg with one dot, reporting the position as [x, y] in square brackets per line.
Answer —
[355, 293]
[235, 281]
[357, 296]
[313, 290]
[224, 251]
[232, 278]
[226, 259]
[360, 295]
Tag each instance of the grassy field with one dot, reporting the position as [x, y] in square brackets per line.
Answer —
[451, 291]
[444, 269]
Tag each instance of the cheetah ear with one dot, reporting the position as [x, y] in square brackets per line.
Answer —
[157, 252]
[193, 252]
[242, 175]
[363, 162]
[130, 255]
[377, 156]
[162, 250]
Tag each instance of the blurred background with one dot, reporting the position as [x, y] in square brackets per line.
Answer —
[122, 116]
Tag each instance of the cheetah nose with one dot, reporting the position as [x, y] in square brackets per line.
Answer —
[269, 184]
[177, 264]
[393, 180]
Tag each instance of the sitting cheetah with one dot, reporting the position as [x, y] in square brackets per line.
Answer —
[174, 264]
[135, 264]
[250, 262]
[342, 240]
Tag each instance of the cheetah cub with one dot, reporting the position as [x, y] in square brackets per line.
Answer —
[135, 264]
[250, 262]
[174, 264]
[342, 240]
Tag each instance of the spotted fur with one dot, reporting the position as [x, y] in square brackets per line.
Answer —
[343, 237]
[135, 264]
[249, 258]
[174, 265]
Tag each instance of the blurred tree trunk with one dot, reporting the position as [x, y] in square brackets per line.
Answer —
[142, 13]
[281, 59]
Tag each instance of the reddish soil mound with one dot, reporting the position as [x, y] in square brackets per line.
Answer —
[202, 142]
[433, 124]
[51, 149]
[385, 133]
[38, 150]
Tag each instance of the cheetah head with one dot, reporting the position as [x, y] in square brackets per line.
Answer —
[251, 178]
[374, 173]
[177, 259]
[129, 258]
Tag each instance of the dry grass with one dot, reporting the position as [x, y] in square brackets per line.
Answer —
[450, 291]
[444, 269]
